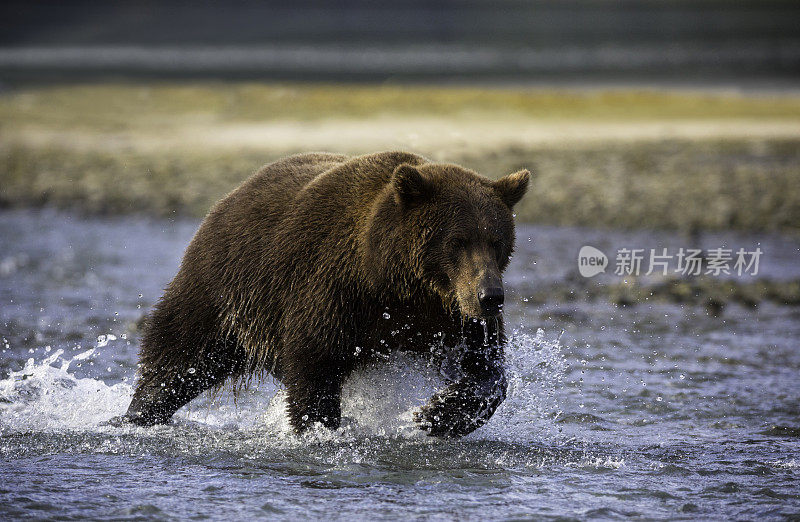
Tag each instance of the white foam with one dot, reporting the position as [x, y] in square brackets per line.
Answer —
[41, 396]
[785, 464]
[376, 401]
[600, 462]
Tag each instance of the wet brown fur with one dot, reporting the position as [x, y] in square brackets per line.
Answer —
[319, 261]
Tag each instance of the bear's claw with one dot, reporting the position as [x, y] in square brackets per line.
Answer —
[459, 409]
[128, 420]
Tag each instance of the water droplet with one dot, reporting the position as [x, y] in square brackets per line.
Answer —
[682, 376]
[386, 315]
[659, 398]
[191, 370]
[103, 340]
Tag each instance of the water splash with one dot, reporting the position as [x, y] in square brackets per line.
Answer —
[380, 400]
[535, 370]
[41, 396]
[785, 464]
[377, 401]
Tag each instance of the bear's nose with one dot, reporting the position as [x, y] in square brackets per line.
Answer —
[491, 299]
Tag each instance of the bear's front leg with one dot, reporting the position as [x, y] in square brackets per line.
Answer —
[463, 406]
[469, 402]
[314, 397]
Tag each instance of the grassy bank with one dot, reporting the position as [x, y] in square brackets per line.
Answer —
[602, 158]
[684, 185]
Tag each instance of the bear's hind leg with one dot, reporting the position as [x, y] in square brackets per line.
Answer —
[161, 391]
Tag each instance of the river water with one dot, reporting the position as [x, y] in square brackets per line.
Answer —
[654, 411]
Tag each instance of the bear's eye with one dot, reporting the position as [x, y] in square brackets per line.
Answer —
[457, 244]
[455, 247]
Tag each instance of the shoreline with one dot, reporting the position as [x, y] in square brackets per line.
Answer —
[684, 185]
[613, 158]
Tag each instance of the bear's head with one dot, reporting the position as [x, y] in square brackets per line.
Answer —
[457, 232]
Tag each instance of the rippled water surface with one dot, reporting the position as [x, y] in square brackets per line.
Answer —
[652, 411]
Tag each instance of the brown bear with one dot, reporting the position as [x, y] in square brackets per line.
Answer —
[317, 263]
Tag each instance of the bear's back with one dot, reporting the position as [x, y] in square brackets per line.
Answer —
[325, 180]
[243, 224]
[259, 204]
[279, 183]
[289, 213]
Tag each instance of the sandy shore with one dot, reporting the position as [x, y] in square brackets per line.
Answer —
[435, 137]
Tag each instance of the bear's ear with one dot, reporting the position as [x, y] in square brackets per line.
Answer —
[511, 188]
[410, 185]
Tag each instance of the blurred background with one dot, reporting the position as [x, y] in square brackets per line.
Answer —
[521, 41]
[672, 115]
[663, 113]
